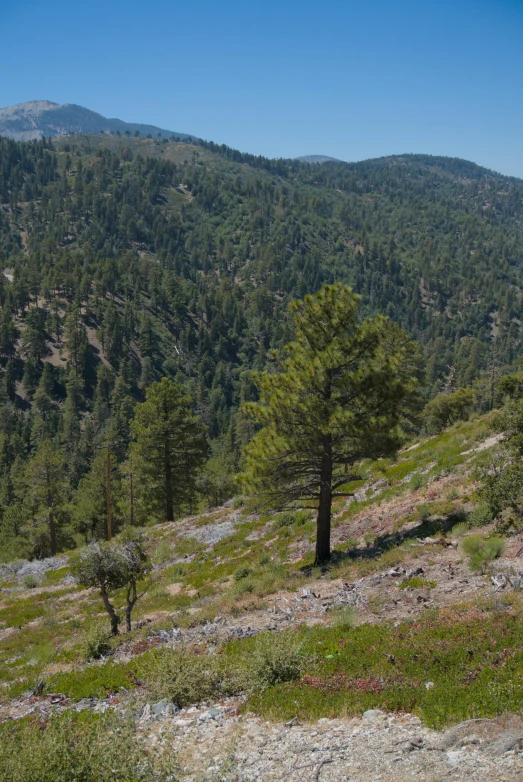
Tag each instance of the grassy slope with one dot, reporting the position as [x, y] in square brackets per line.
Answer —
[472, 653]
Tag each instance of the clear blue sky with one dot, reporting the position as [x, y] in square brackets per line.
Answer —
[351, 79]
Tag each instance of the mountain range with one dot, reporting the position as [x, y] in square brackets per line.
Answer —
[38, 118]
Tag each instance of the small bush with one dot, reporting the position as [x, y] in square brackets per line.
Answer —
[244, 587]
[184, 678]
[417, 481]
[30, 581]
[285, 519]
[96, 644]
[83, 747]
[275, 659]
[480, 516]
[482, 550]
[242, 572]
[415, 582]
[459, 530]
[344, 617]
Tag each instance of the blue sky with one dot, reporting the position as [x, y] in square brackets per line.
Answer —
[350, 79]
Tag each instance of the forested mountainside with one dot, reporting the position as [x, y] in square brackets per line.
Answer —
[129, 259]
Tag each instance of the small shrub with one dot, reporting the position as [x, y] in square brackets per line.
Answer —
[344, 617]
[184, 678]
[482, 550]
[242, 572]
[164, 552]
[244, 587]
[238, 502]
[266, 584]
[480, 516]
[459, 530]
[30, 581]
[285, 519]
[264, 559]
[417, 481]
[94, 681]
[82, 747]
[415, 582]
[275, 659]
[96, 644]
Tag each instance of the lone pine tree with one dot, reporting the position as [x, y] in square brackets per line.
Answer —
[338, 397]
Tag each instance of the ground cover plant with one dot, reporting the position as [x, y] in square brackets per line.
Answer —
[83, 747]
[445, 669]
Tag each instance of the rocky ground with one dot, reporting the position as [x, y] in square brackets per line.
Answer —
[217, 744]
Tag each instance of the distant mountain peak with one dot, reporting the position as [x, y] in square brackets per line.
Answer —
[37, 118]
[318, 159]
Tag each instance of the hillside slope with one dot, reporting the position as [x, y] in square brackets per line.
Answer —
[396, 640]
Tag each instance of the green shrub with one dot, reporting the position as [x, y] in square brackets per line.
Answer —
[285, 519]
[242, 572]
[480, 516]
[244, 586]
[343, 617]
[95, 681]
[96, 644]
[417, 481]
[184, 678]
[82, 747]
[482, 550]
[415, 582]
[30, 581]
[460, 529]
[275, 659]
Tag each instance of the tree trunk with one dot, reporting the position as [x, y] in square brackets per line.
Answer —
[52, 525]
[323, 521]
[128, 611]
[131, 602]
[113, 616]
[169, 511]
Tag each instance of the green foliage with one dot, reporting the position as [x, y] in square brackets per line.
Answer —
[481, 550]
[417, 481]
[480, 516]
[169, 450]
[95, 681]
[415, 582]
[111, 566]
[96, 644]
[30, 581]
[81, 747]
[336, 399]
[346, 673]
[275, 659]
[185, 678]
[460, 529]
[446, 409]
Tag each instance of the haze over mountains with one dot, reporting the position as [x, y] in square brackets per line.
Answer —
[38, 118]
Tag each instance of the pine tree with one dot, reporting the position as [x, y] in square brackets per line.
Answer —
[336, 399]
[169, 450]
[44, 477]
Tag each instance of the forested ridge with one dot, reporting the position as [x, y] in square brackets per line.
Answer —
[127, 259]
